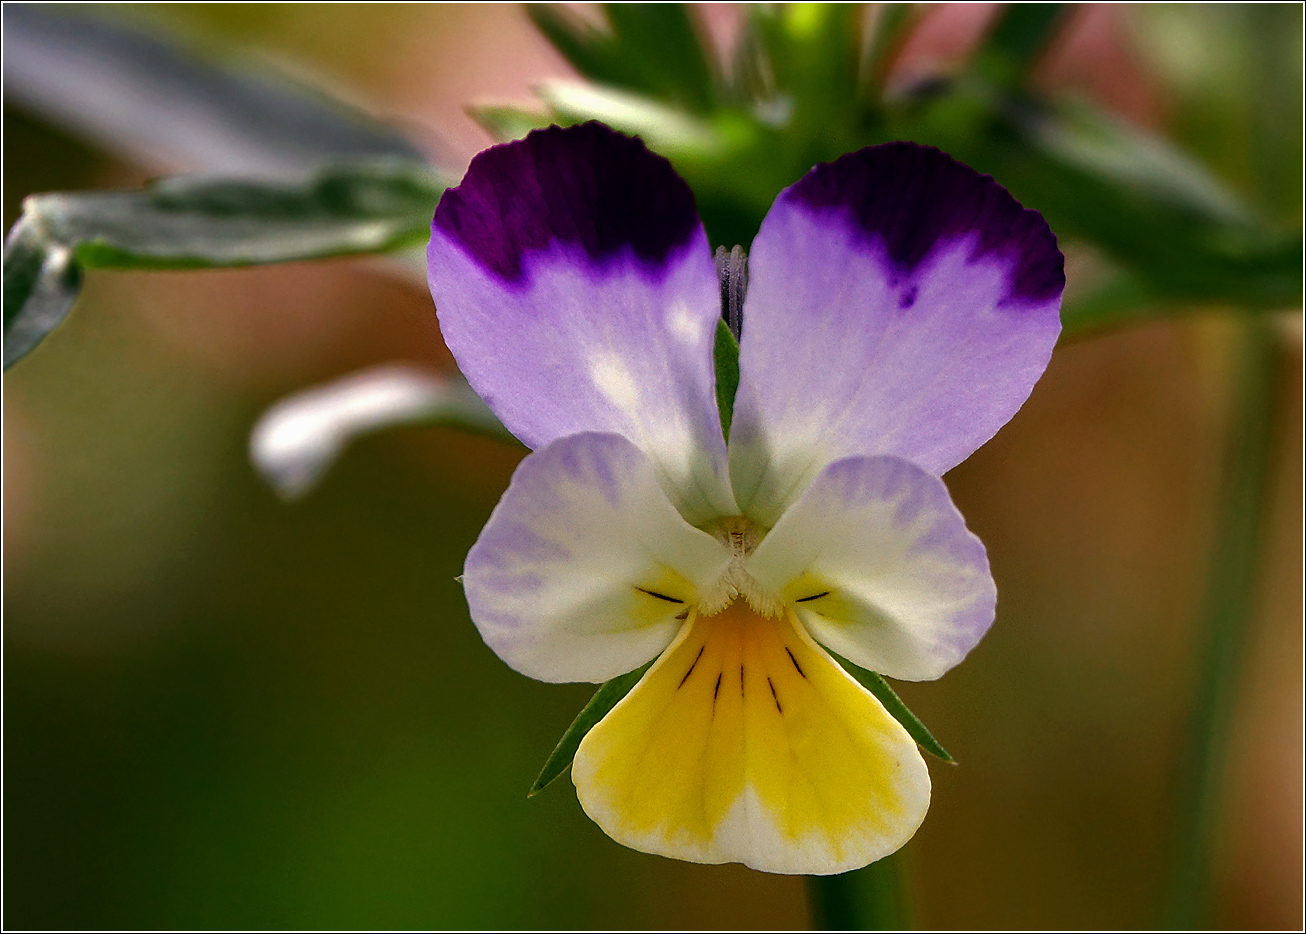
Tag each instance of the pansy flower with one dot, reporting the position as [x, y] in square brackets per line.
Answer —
[899, 309]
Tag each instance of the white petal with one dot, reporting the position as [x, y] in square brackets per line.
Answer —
[585, 569]
[298, 439]
[880, 567]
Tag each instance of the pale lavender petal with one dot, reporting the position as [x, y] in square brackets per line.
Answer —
[898, 303]
[585, 569]
[880, 567]
[575, 287]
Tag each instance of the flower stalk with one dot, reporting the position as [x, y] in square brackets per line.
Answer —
[868, 899]
[1230, 608]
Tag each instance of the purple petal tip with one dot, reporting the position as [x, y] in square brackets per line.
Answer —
[584, 185]
[911, 197]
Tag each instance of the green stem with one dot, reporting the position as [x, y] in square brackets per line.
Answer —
[1229, 607]
[868, 899]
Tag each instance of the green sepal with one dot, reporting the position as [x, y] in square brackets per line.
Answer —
[604, 699]
[725, 354]
[607, 696]
[917, 730]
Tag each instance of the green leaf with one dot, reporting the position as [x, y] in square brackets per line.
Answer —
[668, 129]
[813, 53]
[41, 282]
[1122, 298]
[652, 49]
[725, 354]
[505, 122]
[888, 30]
[171, 108]
[587, 49]
[195, 222]
[663, 43]
[604, 699]
[1233, 91]
[1171, 232]
[897, 709]
[201, 222]
[1135, 160]
[297, 440]
[1020, 35]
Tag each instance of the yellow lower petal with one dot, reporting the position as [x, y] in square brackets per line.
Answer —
[747, 743]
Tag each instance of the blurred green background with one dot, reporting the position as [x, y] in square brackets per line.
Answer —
[225, 711]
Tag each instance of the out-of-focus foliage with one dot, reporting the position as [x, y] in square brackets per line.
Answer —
[168, 106]
[1230, 70]
[197, 222]
[319, 179]
[807, 83]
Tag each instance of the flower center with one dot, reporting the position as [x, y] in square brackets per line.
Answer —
[741, 536]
